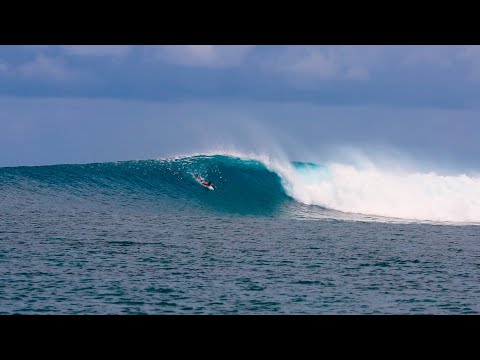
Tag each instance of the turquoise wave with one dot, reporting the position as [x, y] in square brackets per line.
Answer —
[242, 186]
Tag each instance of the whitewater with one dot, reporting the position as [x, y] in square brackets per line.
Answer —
[374, 191]
[367, 189]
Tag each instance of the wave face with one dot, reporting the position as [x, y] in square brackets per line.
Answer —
[242, 186]
[251, 185]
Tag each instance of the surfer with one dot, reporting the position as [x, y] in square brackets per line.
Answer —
[203, 182]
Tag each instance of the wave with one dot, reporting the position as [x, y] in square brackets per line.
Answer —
[257, 185]
[242, 186]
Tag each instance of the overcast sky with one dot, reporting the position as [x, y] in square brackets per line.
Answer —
[61, 104]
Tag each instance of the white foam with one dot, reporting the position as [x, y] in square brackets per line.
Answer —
[371, 190]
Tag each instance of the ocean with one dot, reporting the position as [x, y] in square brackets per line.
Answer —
[274, 237]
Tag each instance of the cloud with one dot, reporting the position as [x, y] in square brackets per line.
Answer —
[437, 56]
[46, 68]
[210, 56]
[471, 52]
[307, 65]
[98, 50]
[357, 73]
[316, 63]
[441, 76]
[471, 56]
[461, 59]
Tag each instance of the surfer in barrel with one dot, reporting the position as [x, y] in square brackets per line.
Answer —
[203, 182]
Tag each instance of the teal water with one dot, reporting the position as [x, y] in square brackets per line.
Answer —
[144, 237]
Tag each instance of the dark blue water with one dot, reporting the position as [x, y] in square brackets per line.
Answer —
[144, 237]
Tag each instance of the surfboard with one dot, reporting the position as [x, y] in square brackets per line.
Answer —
[209, 187]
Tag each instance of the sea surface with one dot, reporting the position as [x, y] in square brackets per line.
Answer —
[143, 237]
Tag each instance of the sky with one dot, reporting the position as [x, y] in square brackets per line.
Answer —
[92, 103]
